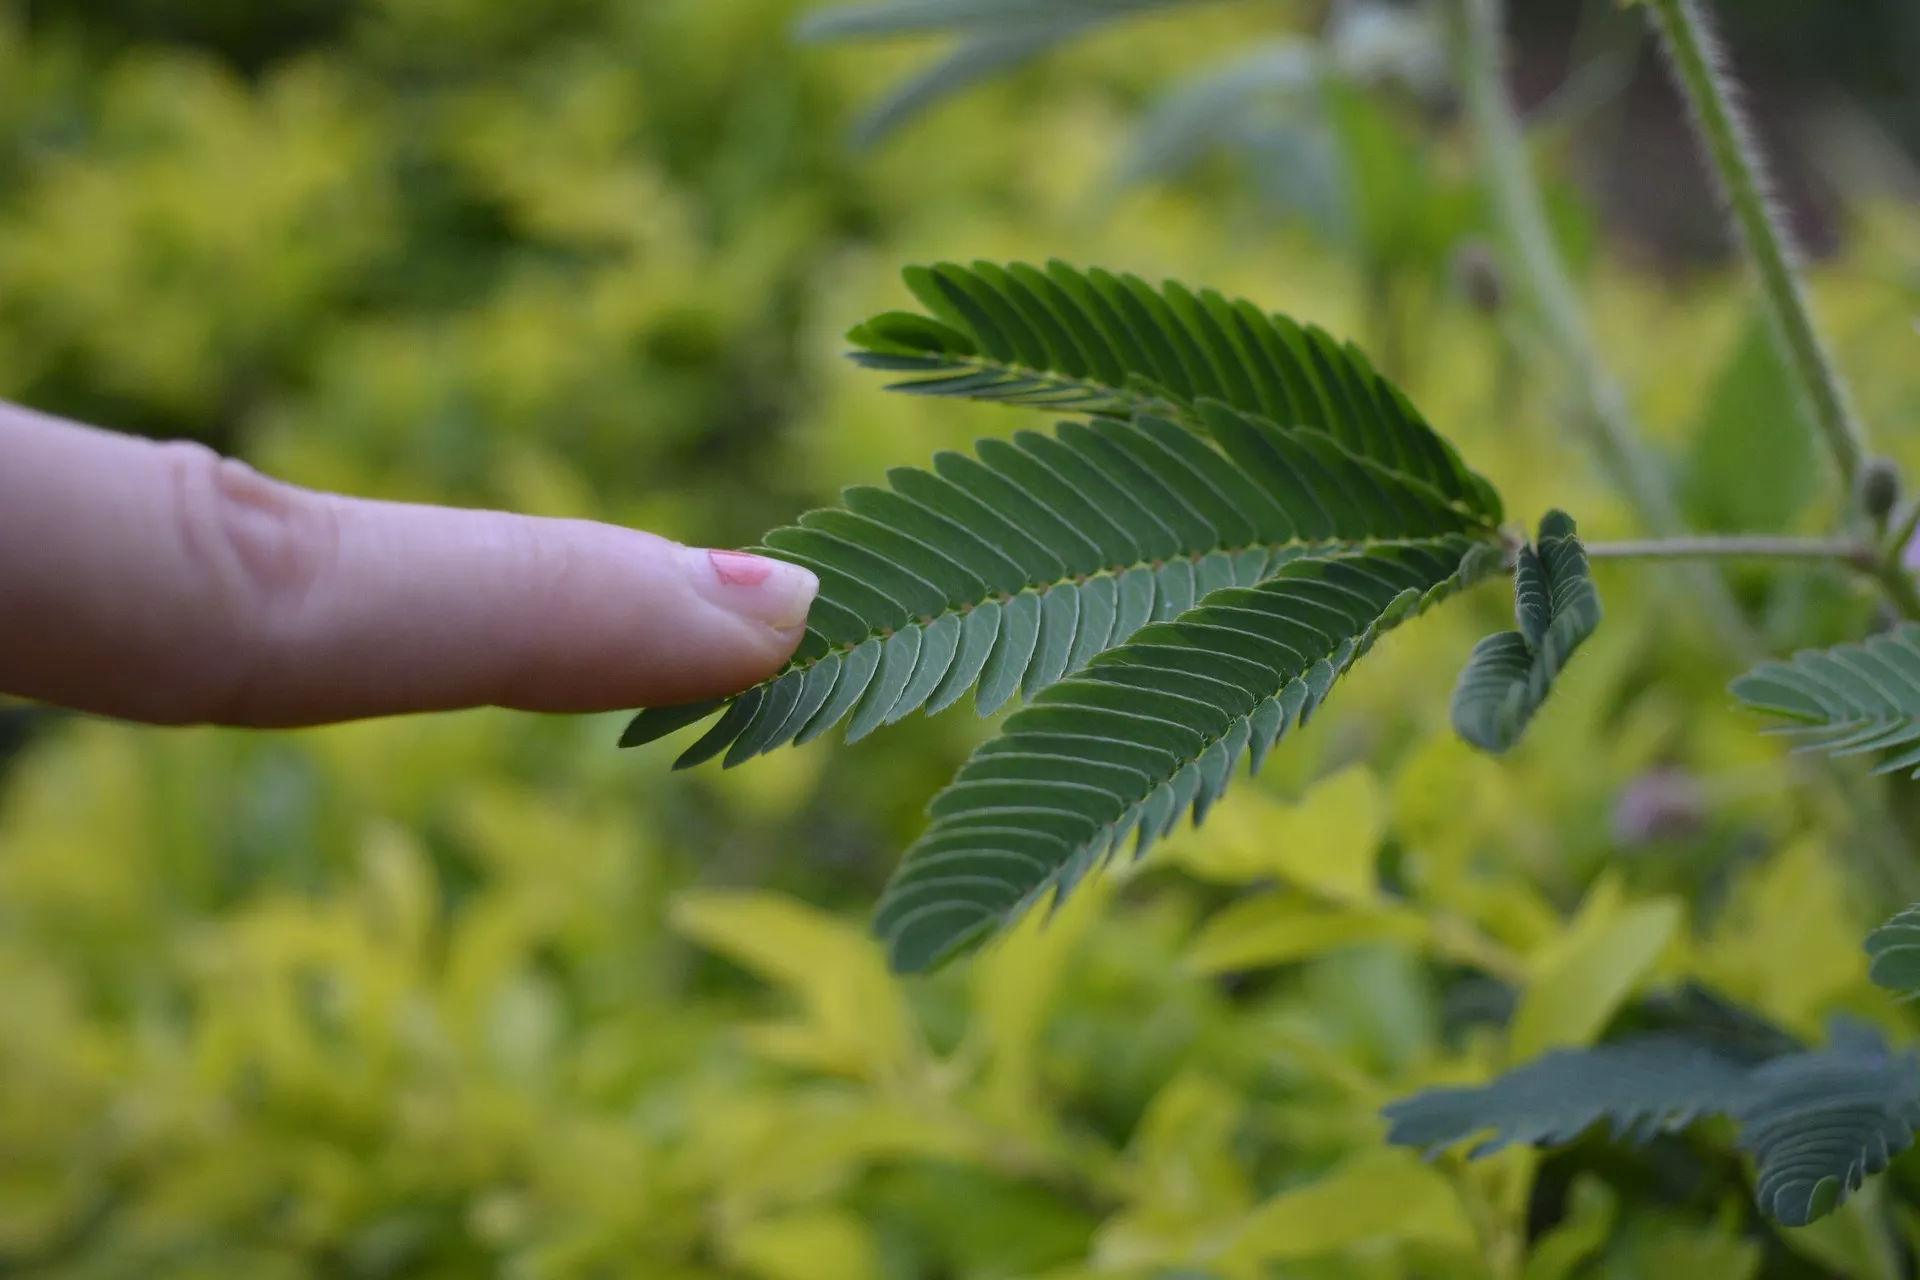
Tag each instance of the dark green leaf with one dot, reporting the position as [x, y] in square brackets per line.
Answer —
[1175, 724]
[1894, 953]
[1817, 1123]
[1060, 348]
[1510, 675]
[1641, 1087]
[1848, 700]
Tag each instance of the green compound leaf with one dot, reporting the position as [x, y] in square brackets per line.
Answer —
[1005, 570]
[1095, 342]
[1147, 731]
[1641, 1087]
[1510, 675]
[1893, 952]
[1816, 1123]
[1847, 700]
[1168, 587]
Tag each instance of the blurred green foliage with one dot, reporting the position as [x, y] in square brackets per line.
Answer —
[476, 995]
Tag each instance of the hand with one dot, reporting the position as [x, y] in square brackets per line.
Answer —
[160, 582]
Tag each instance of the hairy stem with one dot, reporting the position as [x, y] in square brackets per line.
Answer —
[1883, 857]
[1602, 413]
[1693, 53]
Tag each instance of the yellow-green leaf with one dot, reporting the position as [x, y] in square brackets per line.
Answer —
[823, 1244]
[1281, 928]
[1579, 984]
[1327, 843]
[856, 1022]
[1183, 1176]
[1592, 1208]
[1787, 945]
[1014, 985]
[1375, 1197]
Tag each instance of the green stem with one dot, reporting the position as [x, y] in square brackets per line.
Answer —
[1893, 573]
[1602, 413]
[1889, 572]
[1899, 586]
[1894, 546]
[1737, 547]
[1693, 53]
[1605, 418]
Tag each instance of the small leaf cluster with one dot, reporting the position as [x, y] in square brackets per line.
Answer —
[1848, 700]
[1509, 675]
[1816, 1122]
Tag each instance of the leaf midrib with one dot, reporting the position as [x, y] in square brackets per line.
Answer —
[1320, 550]
[943, 362]
[1116, 829]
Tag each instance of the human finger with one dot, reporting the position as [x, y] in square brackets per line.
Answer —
[160, 582]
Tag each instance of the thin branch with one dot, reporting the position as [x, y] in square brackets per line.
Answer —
[1901, 532]
[1605, 419]
[1601, 411]
[1859, 554]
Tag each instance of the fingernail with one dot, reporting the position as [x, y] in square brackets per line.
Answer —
[769, 591]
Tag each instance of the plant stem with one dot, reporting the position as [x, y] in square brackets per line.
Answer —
[1602, 413]
[1754, 548]
[1889, 572]
[1899, 585]
[1886, 570]
[1883, 855]
[1895, 545]
[1693, 53]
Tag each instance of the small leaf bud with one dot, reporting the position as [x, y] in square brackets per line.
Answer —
[1879, 488]
[1477, 275]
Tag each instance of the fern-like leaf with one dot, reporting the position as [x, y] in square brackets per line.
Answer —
[1081, 342]
[1509, 675]
[1816, 1123]
[1003, 571]
[1147, 731]
[1893, 953]
[1170, 586]
[1643, 1087]
[1847, 700]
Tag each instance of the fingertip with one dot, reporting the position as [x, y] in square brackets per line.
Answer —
[690, 623]
[640, 620]
[772, 593]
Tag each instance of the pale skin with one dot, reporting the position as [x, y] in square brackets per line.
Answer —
[162, 583]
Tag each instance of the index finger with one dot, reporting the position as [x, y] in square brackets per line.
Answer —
[160, 582]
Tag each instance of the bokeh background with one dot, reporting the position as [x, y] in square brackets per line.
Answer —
[480, 995]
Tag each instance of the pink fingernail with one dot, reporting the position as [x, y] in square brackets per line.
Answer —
[737, 569]
[768, 591]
